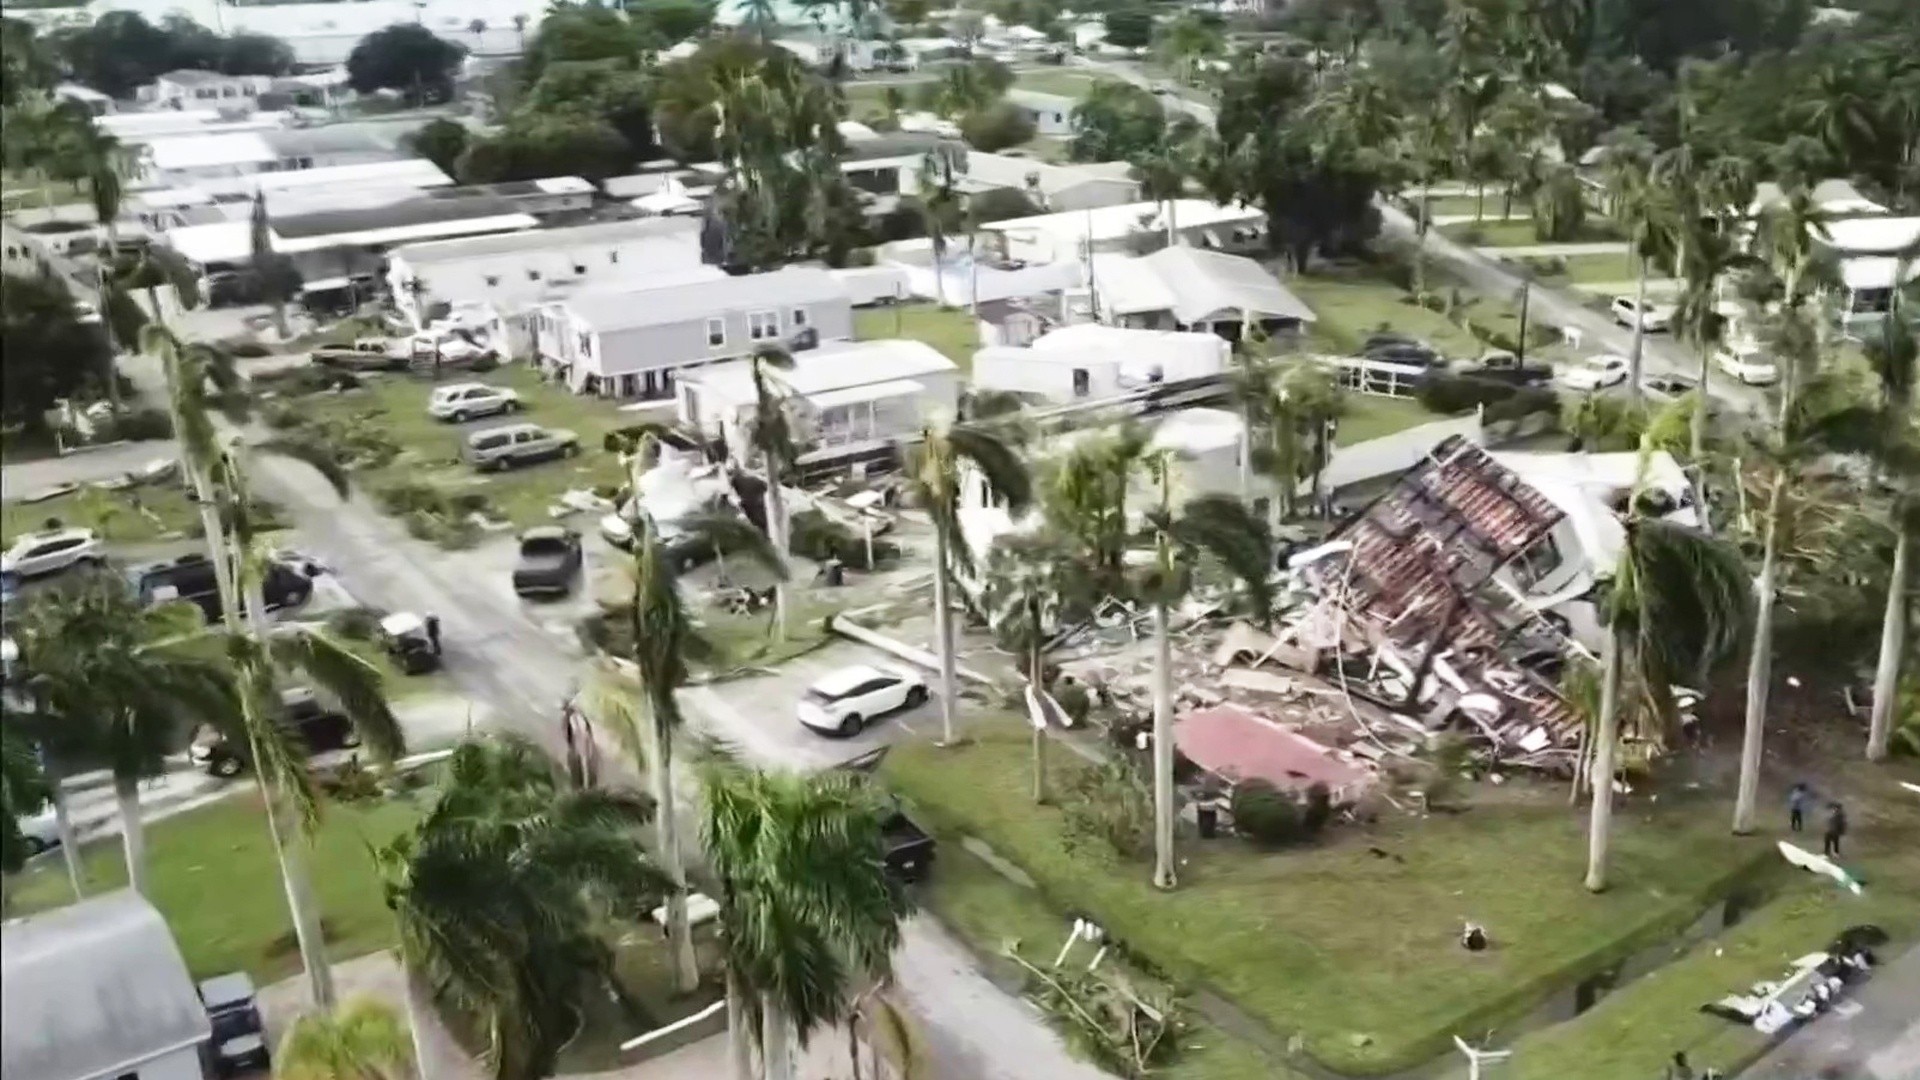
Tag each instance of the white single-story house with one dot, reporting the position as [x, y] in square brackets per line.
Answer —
[97, 990]
[1066, 236]
[841, 394]
[1835, 198]
[1869, 281]
[1089, 360]
[973, 279]
[191, 88]
[95, 102]
[512, 272]
[1189, 288]
[1052, 114]
[890, 163]
[1054, 187]
[632, 342]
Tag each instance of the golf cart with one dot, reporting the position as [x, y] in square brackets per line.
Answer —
[239, 1040]
[404, 635]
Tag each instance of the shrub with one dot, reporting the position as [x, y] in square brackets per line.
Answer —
[281, 416]
[355, 623]
[1471, 236]
[407, 496]
[302, 381]
[997, 127]
[1266, 815]
[142, 424]
[1074, 701]
[352, 782]
[1318, 809]
[245, 348]
[1451, 394]
[1108, 807]
[1526, 401]
[483, 363]
[817, 537]
[1545, 265]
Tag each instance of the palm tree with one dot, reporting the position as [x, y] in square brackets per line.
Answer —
[1423, 149]
[365, 1039]
[940, 204]
[119, 684]
[1675, 608]
[502, 893]
[24, 789]
[1187, 40]
[1640, 205]
[808, 913]
[267, 264]
[761, 16]
[99, 160]
[772, 435]
[520, 27]
[1031, 579]
[936, 478]
[1291, 407]
[1164, 167]
[666, 643]
[477, 27]
[1210, 525]
[1711, 256]
[892, 102]
[1897, 450]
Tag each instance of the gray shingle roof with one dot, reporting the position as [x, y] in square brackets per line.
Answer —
[629, 309]
[429, 207]
[93, 989]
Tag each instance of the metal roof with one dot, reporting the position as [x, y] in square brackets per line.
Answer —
[593, 237]
[628, 309]
[93, 989]
[1206, 283]
[451, 204]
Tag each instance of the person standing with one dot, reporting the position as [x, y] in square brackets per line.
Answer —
[1797, 798]
[1836, 828]
[433, 633]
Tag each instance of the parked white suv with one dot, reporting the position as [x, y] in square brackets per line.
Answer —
[51, 552]
[1593, 373]
[1747, 365]
[844, 702]
[463, 401]
[1653, 319]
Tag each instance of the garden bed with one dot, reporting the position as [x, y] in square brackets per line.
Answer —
[1353, 945]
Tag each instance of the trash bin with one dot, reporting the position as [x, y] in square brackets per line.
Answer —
[1208, 818]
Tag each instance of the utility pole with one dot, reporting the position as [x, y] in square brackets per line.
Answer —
[1526, 296]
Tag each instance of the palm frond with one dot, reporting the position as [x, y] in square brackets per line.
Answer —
[344, 676]
[998, 461]
[319, 454]
[1689, 600]
[1224, 528]
[734, 535]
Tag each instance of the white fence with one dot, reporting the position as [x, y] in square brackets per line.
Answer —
[1376, 376]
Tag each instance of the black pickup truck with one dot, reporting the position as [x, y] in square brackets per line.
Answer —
[1505, 367]
[909, 849]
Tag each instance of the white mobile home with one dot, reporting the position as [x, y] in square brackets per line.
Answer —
[843, 394]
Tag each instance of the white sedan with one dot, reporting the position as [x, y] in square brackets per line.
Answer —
[846, 701]
[463, 401]
[1653, 318]
[1594, 373]
[1749, 367]
[51, 552]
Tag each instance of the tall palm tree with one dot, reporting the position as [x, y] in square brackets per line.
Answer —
[771, 435]
[1711, 256]
[808, 913]
[1644, 208]
[364, 1039]
[117, 684]
[1897, 450]
[761, 16]
[1216, 526]
[1290, 408]
[1423, 152]
[502, 893]
[941, 204]
[266, 263]
[100, 161]
[666, 642]
[1031, 581]
[1164, 168]
[935, 474]
[1675, 608]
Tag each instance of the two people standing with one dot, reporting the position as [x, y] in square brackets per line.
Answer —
[1800, 798]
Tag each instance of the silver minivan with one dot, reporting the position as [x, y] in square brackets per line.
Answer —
[504, 447]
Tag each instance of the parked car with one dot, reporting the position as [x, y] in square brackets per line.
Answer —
[1672, 386]
[1654, 319]
[320, 727]
[40, 553]
[460, 402]
[365, 354]
[239, 1041]
[404, 637]
[40, 831]
[1594, 372]
[549, 561]
[1505, 367]
[1748, 366]
[191, 578]
[907, 849]
[845, 701]
[519, 444]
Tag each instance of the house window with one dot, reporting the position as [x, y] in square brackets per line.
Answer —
[799, 317]
[763, 325]
[613, 256]
[533, 275]
[492, 280]
[586, 344]
[716, 333]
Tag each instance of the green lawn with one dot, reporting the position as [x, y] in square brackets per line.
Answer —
[1071, 84]
[747, 640]
[132, 516]
[989, 911]
[395, 406]
[1370, 416]
[1518, 232]
[1048, 148]
[951, 330]
[1351, 305]
[1355, 954]
[215, 880]
[865, 99]
[1577, 269]
[1457, 205]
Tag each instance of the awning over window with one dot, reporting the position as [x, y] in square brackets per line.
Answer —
[857, 395]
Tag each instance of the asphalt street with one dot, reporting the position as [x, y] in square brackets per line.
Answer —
[1881, 1041]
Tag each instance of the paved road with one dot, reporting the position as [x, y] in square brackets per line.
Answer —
[1880, 1042]
[24, 479]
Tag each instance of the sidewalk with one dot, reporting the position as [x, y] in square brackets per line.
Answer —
[1527, 251]
[1879, 1042]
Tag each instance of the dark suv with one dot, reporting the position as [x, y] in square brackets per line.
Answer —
[321, 728]
[239, 1038]
[191, 577]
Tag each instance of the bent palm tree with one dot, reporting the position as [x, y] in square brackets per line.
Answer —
[1031, 579]
[1210, 525]
[1676, 607]
[118, 684]
[808, 914]
[772, 436]
[666, 643]
[935, 475]
[502, 891]
[365, 1039]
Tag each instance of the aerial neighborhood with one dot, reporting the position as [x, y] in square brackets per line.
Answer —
[1013, 540]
